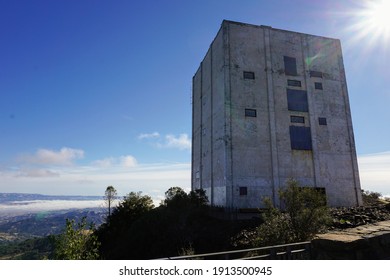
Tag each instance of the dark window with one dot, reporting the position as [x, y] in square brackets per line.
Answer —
[297, 119]
[297, 100]
[300, 137]
[294, 83]
[249, 75]
[316, 74]
[322, 121]
[243, 190]
[250, 113]
[290, 66]
[318, 85]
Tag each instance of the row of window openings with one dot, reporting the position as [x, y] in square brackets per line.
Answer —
[300, 119]
[293, 83]
[294, 119]
[290, 69]
[296, 83]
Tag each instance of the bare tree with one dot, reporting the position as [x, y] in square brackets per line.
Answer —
[110, 196]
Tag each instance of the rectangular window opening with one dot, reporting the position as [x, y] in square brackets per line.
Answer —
[294, 83]
[300, 137]
[290, 66]
[316, 74]
[297, 100]
[243, 191]
[250, 113]
[322, 121]
[318, 86]
[249, 75]
[297, 119]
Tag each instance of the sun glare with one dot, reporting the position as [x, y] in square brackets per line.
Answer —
[377, 16]
[367, 24]
[372, 22]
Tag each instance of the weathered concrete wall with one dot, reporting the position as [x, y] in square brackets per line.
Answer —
[360, 243]
[233, 151]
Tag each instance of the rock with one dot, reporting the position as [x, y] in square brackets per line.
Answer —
[364, 242]
[344, 217]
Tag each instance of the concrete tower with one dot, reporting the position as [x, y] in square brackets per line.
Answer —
[269, 105]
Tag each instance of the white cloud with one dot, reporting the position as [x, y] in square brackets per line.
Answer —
[149, 135]
[65, 156]
[128, 161]
[110, 162]
[374, 172]
[183, 142]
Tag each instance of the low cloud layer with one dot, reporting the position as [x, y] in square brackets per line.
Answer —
[34, 206]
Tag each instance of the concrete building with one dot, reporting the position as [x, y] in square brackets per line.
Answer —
[270, 105]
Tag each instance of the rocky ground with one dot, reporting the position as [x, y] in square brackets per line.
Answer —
[356, 216]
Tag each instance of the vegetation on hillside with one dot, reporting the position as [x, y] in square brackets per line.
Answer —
[182, 224]
[77, 242]
[138, 230]
[371, 198]
[30, 249]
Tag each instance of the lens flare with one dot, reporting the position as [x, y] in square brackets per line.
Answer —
[371, 23]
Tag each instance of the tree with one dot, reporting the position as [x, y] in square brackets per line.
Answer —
[198, 197]
[176, 197]
[305, 214]
[133, 206]
[110, 196]
[114, 235]
[77, 242]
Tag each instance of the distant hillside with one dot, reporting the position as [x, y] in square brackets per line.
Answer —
[45, 223]
[23, 215]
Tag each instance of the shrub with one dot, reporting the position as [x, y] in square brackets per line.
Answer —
[370, 198]
[305, 214]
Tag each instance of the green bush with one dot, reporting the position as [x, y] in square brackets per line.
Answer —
[77, 242]
[304, 215]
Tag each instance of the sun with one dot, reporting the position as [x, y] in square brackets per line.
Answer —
[372, 21]
[377, 16]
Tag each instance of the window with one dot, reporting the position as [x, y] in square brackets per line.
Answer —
[290, 66]
[322, 121]
[300, 137]
[250, 113]
[318, 85]
[243, 191]
[297, 119]
[294, 83]
[297, 100]
[316, 74]
[249, 75]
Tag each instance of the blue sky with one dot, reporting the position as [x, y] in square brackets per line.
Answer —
[98, 93]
